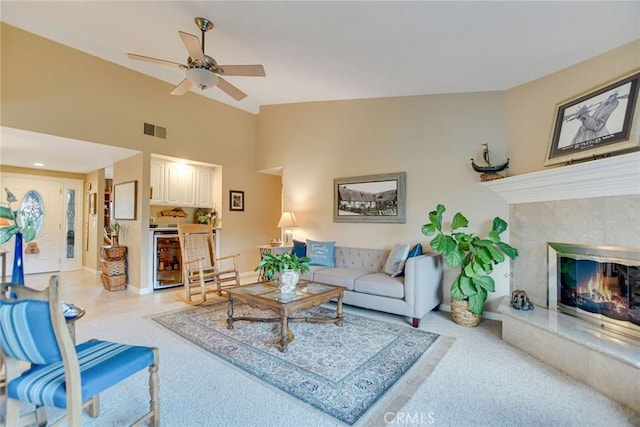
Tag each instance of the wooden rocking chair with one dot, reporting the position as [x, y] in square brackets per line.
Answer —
[204, 273]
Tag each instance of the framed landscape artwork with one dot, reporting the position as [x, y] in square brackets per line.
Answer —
[597, 123]
[370, 198]
[236, 200]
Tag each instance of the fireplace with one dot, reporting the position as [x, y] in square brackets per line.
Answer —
[599, 284]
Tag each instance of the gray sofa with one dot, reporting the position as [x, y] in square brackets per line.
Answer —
[360, 271]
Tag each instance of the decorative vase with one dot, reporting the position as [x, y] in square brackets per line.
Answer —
[17, 275]
[114, 240]
[288, 280]
[461, 314]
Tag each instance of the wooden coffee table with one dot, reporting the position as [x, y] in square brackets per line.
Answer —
[267, 296]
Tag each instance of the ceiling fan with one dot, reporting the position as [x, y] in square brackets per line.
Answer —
[202, 70]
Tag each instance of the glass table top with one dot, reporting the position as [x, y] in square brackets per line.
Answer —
[270, 290]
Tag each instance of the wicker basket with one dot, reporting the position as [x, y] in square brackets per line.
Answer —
[461, 314]
[113, 268]
[114, 283]
[113, 252]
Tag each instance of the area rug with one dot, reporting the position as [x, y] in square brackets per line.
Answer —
[341, 371]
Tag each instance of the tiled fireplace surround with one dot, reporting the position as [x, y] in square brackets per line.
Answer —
[592, 203]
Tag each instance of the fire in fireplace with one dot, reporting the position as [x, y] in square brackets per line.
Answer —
[600, 284]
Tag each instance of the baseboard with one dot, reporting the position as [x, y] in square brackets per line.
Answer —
[486, 315]
[92, 270]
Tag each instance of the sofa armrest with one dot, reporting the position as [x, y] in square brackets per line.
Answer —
[423, 283]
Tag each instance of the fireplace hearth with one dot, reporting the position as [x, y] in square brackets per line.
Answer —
[599, 284]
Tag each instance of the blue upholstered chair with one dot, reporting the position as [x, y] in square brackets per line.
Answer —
[61, 374]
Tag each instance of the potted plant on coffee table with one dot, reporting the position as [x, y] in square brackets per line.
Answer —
[287, 266]
[474, 256]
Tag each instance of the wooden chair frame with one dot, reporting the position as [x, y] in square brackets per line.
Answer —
[204, 276]
[72, 373]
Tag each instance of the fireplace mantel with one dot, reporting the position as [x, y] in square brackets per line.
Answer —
[611, 176]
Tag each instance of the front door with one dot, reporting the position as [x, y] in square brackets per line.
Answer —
[41, 200]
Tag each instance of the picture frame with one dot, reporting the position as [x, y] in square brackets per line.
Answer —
[370, 198]
[596, 123]
[124, 200]
[236, 200]
[92, 203]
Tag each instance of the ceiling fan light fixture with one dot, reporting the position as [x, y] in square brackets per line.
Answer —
[202, 77]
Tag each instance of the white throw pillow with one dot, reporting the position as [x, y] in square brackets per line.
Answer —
[395, 263]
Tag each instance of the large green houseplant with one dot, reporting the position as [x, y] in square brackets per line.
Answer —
[474, 256]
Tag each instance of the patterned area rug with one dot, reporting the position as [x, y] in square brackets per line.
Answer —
[342, 371]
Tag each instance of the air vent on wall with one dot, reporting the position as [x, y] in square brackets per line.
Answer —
[153, 130]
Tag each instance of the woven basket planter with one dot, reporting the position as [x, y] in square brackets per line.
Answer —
[461, 314]
[113, 252]
[114, 283]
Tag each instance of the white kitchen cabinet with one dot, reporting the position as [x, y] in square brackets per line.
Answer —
[157, 182]
[204, 187]
[180, 184]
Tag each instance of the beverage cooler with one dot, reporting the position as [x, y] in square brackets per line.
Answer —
[167, 260]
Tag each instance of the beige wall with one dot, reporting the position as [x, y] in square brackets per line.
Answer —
[597, 221]
[431, 138]
[531, 107]
[93, 224]
[89, 99]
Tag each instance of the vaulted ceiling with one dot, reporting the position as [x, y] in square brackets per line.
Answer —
[314, 51]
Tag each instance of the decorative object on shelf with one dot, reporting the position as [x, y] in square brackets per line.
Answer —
[283, 263]
[125, 196]
[114, 229]
[370, 198]
[175, 212]
[520, 300]
[236, 200]
[206, 216]
[489, 172]
[287, 220]
[597, 123]
[474, 256]
[275, 242]
[26, 222]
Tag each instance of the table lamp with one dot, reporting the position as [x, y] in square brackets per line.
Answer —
[287, 219]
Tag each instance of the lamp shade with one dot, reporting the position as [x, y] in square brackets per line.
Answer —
[202, 77]
[287, 219]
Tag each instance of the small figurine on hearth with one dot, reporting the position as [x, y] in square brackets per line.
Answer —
[520, 300]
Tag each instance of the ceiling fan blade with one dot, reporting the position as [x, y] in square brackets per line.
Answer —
[241, 70]
[155, 60]
[182, 88]
[231, 90]
[192, 43]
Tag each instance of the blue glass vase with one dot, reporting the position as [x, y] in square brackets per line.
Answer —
[17, 275]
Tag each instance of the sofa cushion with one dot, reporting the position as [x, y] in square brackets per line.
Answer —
[344, 277]
[395, 262]
[371, 260]
[299, 248]
[380, 284]
[416, 250]
[321, 253]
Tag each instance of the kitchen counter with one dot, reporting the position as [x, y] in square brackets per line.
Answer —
[164, 229]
